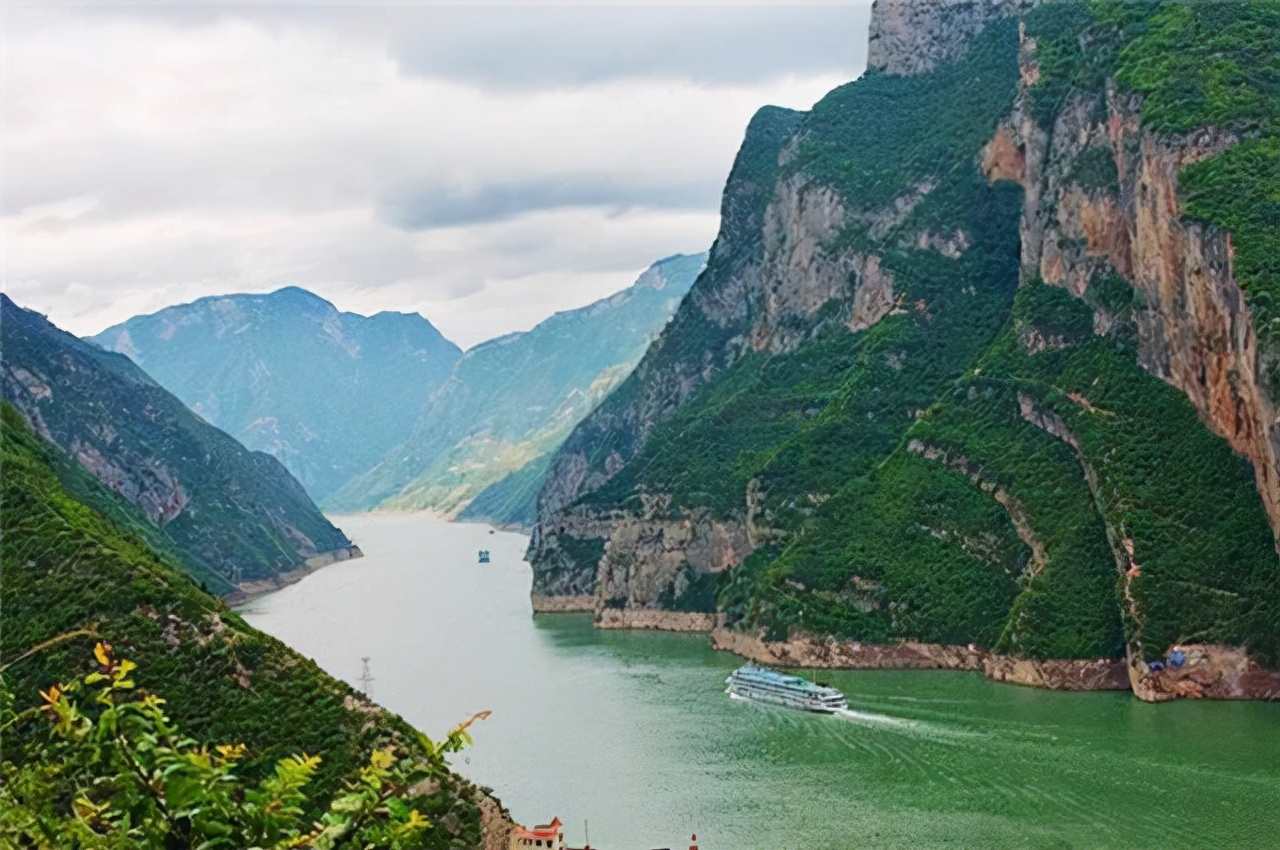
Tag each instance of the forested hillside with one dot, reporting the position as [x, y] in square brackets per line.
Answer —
[70, 571]
[983, 354]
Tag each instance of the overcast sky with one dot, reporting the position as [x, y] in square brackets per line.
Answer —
[484, 166]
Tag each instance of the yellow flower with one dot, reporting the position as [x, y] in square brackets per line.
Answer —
[52, 695]
[382, 759]
[230, 752]
[102, 652]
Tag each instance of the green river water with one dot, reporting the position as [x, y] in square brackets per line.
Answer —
[633, 732]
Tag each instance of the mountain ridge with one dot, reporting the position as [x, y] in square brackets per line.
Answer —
[283, 371]
[511, 400]
[229, 514]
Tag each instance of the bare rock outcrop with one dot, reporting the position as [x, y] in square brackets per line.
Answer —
[1102, 674]
[1206, 671]
[912, 36]
[1195, 329]
[818, 652]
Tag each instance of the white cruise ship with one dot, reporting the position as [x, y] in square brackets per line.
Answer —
[761, 684]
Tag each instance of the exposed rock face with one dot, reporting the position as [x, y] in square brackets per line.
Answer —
[1195, 329]
[803, 270]
[644, 554]
[563, 604]
[1058, 675]
[1209, 671]
[815, 652]
[912, 36]
[661, 621]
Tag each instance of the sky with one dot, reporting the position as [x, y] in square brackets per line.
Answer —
[485, 166]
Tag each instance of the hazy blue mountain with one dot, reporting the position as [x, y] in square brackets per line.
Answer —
[326, 392]
[512, 400]
[229, 515]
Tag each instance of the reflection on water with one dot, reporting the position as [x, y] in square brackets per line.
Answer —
[633, 731]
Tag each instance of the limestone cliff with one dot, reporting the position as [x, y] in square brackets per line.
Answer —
[1102, 198]
[913, 36]
[963, 370]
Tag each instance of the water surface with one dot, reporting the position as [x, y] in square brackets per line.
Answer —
[632, 730]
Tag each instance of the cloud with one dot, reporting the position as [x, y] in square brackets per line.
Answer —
[485, 167]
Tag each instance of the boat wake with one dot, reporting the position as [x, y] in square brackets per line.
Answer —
[876, 719]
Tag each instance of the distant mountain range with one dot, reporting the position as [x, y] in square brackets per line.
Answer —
[229, 515]
[512, 400]
[327, 393]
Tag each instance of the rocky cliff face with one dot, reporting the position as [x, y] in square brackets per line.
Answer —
[856, 428]
[1102, 198]
[913, 36]
[230, 515]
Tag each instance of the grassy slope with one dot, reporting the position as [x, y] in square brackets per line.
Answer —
[67, 567]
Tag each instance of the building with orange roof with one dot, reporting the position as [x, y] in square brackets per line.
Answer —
[545, 835]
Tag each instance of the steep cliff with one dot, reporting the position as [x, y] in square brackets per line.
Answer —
[325, 392]
[228, 514]
[872, 438]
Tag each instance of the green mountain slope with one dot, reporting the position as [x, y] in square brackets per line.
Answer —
[230, 515]
[67, 567]
[325, 392]
[512, 400]
[973, 360]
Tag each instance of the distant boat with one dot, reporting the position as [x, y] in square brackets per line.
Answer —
[484, 556]
[753, 682]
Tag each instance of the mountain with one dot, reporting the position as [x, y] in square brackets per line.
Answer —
[984, 354]
[512, 400]
[73, 577]
[325, 392]
[231, 516]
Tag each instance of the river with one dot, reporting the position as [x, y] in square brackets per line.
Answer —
[632, 730]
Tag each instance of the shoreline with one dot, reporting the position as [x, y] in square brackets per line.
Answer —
[1211, 672]
[248, 591]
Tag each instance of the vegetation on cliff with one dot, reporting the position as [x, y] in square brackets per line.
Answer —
[227, 513]
[68, 570]
[974, 466]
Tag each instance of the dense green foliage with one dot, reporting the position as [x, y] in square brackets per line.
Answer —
[979, 467]
[116, 772]
[883, 136]
[327, 393]
[67, 569]
[1196, 65]
[224, 510]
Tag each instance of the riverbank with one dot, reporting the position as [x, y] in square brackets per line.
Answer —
[1207, 672]
[247, 591]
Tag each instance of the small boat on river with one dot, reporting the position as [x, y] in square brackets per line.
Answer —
[753, 682]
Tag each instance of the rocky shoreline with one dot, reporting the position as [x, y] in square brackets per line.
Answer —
[247, 591]
[1208, 671]
[661, 621]
[585, 604]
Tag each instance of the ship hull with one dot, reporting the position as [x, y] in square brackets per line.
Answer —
[783, 700]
